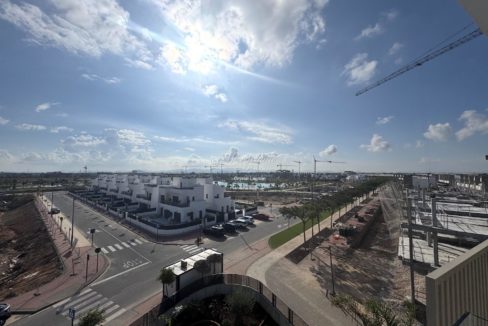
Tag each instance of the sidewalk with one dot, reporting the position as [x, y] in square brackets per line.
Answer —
[302, 293]
[75, 275]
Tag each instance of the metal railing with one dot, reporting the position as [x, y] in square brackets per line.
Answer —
[228, 279]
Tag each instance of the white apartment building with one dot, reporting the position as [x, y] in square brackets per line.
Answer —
[175, 199]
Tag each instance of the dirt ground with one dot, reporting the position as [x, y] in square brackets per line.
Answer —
[28, 258]
[371, 271]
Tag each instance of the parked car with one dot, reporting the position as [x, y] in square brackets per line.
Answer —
[216, 231]
[245, 221]
[4, 312]
[54, 210]
[229, 227]
[261, 217]
[239, 224]
[248, 218]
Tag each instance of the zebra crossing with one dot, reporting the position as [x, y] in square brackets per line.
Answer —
[123, 245]
[192, 249]
[88, 300]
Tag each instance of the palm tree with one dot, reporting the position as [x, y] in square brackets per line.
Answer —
[92, 318]
[213, 259]
[202, 266]
[166, 276]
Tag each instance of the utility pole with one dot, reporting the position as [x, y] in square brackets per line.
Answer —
[73, 222]
[410, 244]
[97, 251]
[332, 272]
[86, 270]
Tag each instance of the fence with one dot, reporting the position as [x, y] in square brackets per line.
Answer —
[280, 312]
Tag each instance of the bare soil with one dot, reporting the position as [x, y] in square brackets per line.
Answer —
[28, 258]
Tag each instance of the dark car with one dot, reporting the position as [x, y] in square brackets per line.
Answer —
[54, 210]
[229, 227]
[261, 217]
[4, 312]
[238, 224]
[216, 231]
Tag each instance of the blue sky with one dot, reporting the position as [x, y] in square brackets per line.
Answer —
[159, 85]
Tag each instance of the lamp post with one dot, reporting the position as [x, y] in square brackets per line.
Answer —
[72, 222]
[332, 272]
[86, 270]
[97, 251]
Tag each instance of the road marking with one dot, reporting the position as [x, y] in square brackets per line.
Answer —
[195, 250]
[111, 248]
[112, 309]
[79, 299]
[98, 302]
[118, 246]
[122, 273]
[132, 242]
[105, 251]
[189, 247]
[138, 241]
[117, 314]
[144, 240]
[66, 300]
[84, 303]
[125, 245]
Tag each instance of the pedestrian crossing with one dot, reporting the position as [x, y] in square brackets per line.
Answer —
[88, 300]
[192, 249]
[123, 245]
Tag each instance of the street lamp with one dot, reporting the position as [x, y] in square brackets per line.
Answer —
[97, 251]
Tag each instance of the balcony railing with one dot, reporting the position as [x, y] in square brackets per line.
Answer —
[175, 203]
[145, 197]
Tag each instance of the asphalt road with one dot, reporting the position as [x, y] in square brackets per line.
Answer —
[134, 263]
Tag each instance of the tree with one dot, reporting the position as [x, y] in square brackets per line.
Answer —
[213, 259]
[92, 318]
[166, 276]
[241, 303]
[202, 266]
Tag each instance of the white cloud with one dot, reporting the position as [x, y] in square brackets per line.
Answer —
[202, 140]
[371, 31]
[329, 150]
[45, 106]
[239, 32]
[82, 140]
[419, 144]
[56, 130]
[62, 115]
[473, 122]
[3, 121]
[377, 144]
[30, 127]
[438, 132]
[85, 27]
[384, 120]
[213, 91]
[359, 70]
[5, 156]
[108, 80]
[189, 149]
[259, 131]
[395, 48]
[391, 14]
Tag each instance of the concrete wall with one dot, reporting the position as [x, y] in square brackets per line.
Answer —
[458, 287]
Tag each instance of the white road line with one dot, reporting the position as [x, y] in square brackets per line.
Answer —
[118, 246]
[190, 247]
[111, 248]
[84, 303]
[132, 242]
[117, 314]
[121, 273]
[109, 310]
[125, 245]
[79, 299]
[105, 305]
[105, 251]
[98, 302]
[138, 241]
[60, 303]
[144, 240]
[186, 246]
[194, 250]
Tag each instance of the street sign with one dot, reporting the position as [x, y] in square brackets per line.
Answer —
[72, 313]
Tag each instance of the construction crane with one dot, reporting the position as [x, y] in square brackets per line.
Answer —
[323, 161]
[299, 164]
[282, 165]
[210, 167]
[420, 61]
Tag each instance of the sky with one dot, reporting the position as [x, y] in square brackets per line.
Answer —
[169, 85]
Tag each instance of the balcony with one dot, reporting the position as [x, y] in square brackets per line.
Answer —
[144, 197]
[114, 190]
[127, 193]
[175, 203]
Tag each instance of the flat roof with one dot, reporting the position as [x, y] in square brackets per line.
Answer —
[176, 267]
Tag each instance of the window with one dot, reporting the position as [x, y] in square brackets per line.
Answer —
[206, 196]
[193, 198]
